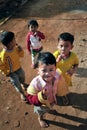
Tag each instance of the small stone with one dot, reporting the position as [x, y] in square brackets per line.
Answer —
[6, 122]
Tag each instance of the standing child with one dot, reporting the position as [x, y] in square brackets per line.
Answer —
[44, 87]
[33, 40]
[10, 61]
[67, 60]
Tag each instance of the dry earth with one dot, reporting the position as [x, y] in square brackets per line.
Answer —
[54, 17]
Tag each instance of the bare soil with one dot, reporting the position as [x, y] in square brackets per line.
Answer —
[54, 17]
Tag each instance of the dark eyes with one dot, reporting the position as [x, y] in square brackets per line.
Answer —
[47, 71]
[51, 69]
[64, 46]
[44, 71]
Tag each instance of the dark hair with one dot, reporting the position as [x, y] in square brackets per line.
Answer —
[66, 37]
[33, 23]
[6, 37]
[46, 58]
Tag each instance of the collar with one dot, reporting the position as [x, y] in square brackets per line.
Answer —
[42, 82]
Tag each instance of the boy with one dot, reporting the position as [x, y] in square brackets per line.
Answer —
[44, 87]
[67, 61]
[10, 61]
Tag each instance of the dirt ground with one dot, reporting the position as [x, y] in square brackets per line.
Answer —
[54, 17]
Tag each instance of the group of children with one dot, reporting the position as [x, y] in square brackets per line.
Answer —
[54, 70]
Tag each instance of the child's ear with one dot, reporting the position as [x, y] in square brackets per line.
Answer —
[72, 46]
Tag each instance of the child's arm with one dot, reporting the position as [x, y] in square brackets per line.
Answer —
[28, 43]
[35, 98]
[72, 70]
[20, 50]
[4, 66]
[58, 58]
[40, 35]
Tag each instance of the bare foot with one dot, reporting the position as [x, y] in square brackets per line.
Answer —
[23, 97]
[43, 123]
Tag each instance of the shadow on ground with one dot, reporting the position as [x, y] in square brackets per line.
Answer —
[66, 126]
[78, 101]
[81, 72]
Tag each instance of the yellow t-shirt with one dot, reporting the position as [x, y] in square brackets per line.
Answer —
[10, 60]
[65, 65]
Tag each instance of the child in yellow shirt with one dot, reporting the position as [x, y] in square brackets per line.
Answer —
[10, 61]
[67, 61]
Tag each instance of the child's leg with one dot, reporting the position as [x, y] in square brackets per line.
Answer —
[21, 74]
[41, 110]
[42, 122]
[32, 58]
[16, 83]
[35, 58]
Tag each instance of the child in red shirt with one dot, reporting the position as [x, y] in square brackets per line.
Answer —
[33, 40]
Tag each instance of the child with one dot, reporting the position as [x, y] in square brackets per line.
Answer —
[43, 88]
[33, 40]
[67, 60]
[9, 61]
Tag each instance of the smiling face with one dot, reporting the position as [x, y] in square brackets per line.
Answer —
[64, 47]
[47, 72]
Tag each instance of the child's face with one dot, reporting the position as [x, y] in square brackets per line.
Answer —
[64, 47]
[47, 72]
[12, 44]
[33, 28]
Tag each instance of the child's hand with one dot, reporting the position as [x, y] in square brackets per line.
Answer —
[60, 57]
[35, 34]
[44, 94]
[71, 71]
[19, 47]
